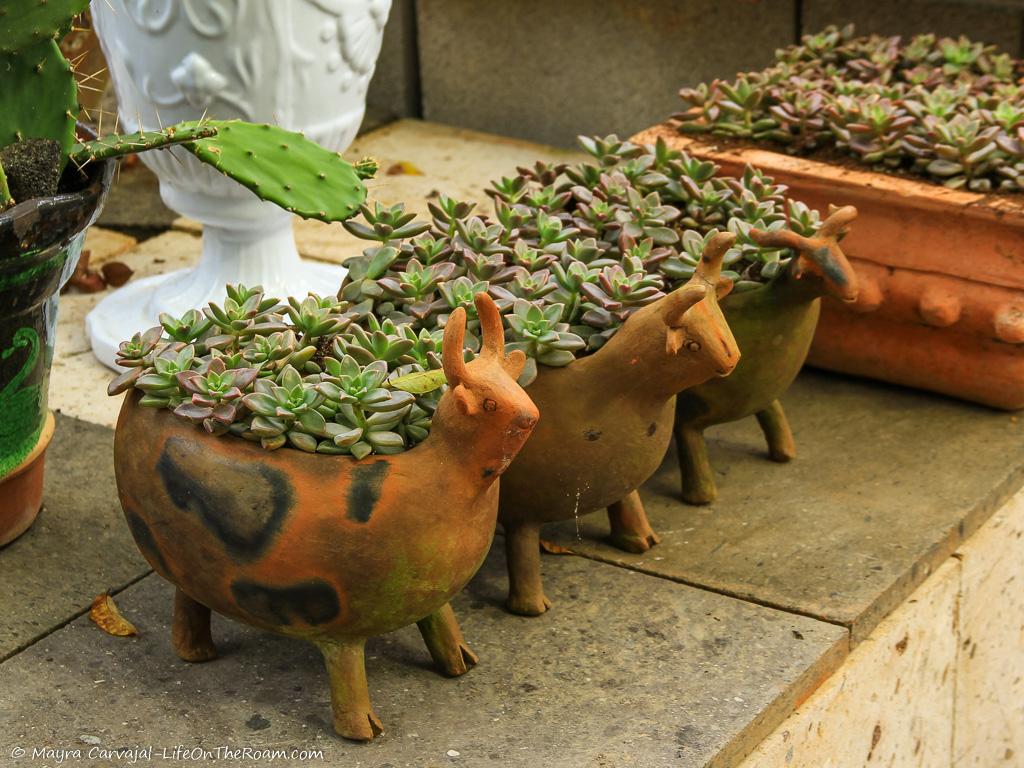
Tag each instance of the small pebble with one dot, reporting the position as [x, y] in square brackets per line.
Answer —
[85, 738]
[452, 753]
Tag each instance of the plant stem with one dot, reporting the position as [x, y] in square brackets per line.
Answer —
[5, 192]
[119, 145]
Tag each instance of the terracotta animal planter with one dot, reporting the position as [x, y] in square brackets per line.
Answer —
[607, 421]
[941, 304]
[774, 326]
[326, 548]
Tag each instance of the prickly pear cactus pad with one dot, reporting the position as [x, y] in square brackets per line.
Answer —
[38, 96]
[951, 110]
[26, 22]
[285, 168]
[302, 373]
[571, 251]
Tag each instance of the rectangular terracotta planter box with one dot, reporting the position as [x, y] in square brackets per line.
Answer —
[941, 302]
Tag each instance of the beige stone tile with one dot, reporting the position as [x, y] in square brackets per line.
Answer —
[106, 244]
[444, 160]
[78, 383]
[891, 703]
[989, 728]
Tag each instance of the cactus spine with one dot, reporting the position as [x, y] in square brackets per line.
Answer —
[120, 145]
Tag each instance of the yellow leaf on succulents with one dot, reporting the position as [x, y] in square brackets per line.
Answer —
[105, 614]
[420, 382]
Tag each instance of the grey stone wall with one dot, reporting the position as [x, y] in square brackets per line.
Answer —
[999, 22]
[547, 70]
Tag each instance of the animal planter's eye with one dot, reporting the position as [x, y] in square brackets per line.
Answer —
[693, 346]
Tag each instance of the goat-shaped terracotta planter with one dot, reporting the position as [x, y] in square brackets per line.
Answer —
[774, 326]
[607, 421]
[327, 548]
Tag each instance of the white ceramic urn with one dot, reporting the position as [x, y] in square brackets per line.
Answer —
[301, 64]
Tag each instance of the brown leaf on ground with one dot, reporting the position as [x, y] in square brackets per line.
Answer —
[553, 549]
[105, 614]
[116, 273]
[84, 279]
[403, 168]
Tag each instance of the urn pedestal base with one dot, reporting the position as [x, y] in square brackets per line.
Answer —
[269, 259]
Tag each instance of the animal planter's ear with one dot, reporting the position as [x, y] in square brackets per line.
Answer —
[465, 400]
[724, 287]
[514, 363]
[680, 301]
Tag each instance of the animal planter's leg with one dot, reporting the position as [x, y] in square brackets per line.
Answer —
[698, 476]
[190, 629]
[444, 640]
[525, 590]
[631, 530]
[775, 426]
[354, 718]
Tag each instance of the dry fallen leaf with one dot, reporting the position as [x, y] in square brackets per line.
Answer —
[105, 614]
[553, 549]
[116, 273]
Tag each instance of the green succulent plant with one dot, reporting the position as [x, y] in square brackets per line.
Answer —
[948, 109]
[312, 374]
[39, 148]
[569, 254]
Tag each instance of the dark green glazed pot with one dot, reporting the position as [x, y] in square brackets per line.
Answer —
[774, 326]
[40, 242]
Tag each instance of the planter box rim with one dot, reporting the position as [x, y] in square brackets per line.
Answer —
[919, 194]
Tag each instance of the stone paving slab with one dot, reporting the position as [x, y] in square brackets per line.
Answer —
[888, 483]
[419, 160]
[78, 547]
[627, 670]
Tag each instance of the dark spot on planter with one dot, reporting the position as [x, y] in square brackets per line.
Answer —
[901, 646]
[367, 481]
[488, 471]
[310, 602]
[243, 505]
[592, 434]
[830, 267]
[490, 405]
[652, 429]
[146, 543]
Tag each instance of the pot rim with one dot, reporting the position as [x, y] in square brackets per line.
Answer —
[26, 213]
[132, 396]
[45, 436]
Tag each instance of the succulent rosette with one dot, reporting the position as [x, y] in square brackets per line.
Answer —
[300, 373]
[570, 251]
[951, 110]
